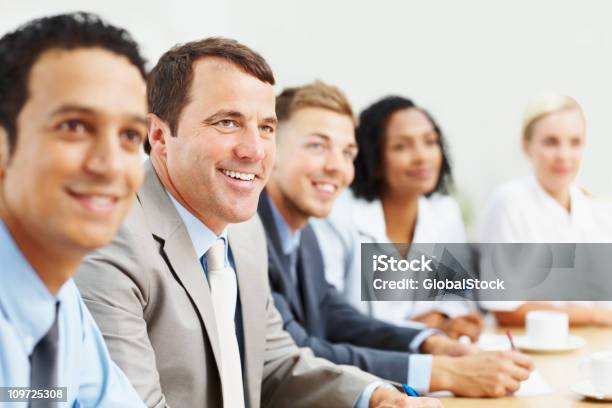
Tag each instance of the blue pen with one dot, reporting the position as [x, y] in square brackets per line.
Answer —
[411, 392]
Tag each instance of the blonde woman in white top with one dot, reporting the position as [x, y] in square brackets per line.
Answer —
[401, 162]
[548, 206]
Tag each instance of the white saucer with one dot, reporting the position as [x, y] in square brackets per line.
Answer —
[573, 343]
[586, 389]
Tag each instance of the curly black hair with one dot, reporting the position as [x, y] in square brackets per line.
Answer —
[370, 136]
[20, 49]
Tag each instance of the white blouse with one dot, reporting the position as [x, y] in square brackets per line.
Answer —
[354, 221]
[522, 211]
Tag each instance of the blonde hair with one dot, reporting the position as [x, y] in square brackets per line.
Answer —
[544, 105]
[317, 94]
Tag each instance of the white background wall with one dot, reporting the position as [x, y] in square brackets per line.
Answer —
[472, 63]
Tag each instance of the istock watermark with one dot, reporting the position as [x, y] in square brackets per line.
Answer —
[491, 272]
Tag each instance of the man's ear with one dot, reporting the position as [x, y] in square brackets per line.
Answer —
[4, 151]
[157, 132]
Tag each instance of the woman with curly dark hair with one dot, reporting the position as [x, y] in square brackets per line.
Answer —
[399, 195]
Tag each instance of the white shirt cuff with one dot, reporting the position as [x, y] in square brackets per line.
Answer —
[417, 341]
[419, 372]
[364, 398]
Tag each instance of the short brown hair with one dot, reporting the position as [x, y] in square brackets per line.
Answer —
[314, 95]
[170, 80]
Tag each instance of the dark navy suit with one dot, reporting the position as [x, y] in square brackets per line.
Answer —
[317, 316]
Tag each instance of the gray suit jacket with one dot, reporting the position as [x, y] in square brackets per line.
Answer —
[150, 298]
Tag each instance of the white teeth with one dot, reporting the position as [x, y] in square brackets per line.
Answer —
[329, 188]
[101, 201]
[240, 176]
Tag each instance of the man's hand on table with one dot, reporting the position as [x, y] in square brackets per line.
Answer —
[484, 374]
[391, 398]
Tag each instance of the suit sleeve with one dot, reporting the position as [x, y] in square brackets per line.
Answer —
[390, 365]
[293, 377]
[115, 291]
[347, 324]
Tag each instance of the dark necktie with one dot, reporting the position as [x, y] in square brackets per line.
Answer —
[43, 363]
[292, 259]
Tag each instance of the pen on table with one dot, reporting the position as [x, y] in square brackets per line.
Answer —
[411, 392]
[509, 334]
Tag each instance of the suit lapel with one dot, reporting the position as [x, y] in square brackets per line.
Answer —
[307, 276]
[252, 284]
[177, 250]
[277, 257]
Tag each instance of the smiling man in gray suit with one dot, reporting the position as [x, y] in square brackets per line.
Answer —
[182, 299]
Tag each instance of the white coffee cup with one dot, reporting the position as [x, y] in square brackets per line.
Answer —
[597, 368]
[547, 328]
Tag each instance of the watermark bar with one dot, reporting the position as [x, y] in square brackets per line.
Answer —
[26, 394]
[487, 272]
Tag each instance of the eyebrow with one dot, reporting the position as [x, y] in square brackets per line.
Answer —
[271, 120]
[90, 111]
[410, 136]
[321, 135]
[223, 114]
[352, 145]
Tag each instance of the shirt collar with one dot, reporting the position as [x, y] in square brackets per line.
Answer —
[201, 236]
[24, 298]
[574, 193]
[367, 216]
[289, 240]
